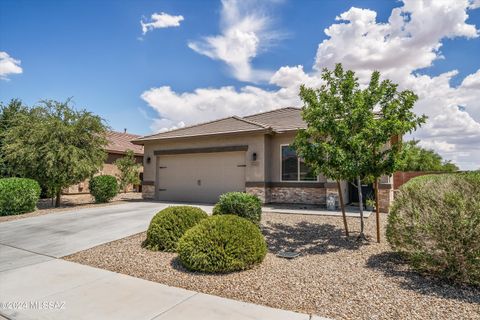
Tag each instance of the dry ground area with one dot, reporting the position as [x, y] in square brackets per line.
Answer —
[334, 277]
[45, 206]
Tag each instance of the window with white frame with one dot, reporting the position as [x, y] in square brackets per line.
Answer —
[293, 167]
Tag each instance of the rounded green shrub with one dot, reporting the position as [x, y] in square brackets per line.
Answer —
[18, 195]
[242, 204]
[169, 225]
[103, 188]
[435, 224]
[223, 243]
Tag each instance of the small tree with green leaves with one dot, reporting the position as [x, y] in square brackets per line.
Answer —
[388, 117]
[8, 115]
[56, 145]
[129, 170]
[416, 158]
[348, 129]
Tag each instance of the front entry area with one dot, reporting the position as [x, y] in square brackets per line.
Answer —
[199, 177]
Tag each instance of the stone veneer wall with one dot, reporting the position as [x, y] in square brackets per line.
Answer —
[289, 195]
[297, 195]
[261, 192]
[148, 191]
[385, 198]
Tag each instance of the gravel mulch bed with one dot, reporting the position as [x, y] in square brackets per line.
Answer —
[334, 277]
[69, 202]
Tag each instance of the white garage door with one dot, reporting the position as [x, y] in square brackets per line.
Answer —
[200, 177]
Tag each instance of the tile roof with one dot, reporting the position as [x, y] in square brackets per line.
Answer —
[278, 120]
[120, 142]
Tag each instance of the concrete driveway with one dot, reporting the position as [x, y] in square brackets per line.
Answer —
[35, 284]
[60, 234]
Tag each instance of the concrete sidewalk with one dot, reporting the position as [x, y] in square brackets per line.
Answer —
[59, 289]
[34, 284]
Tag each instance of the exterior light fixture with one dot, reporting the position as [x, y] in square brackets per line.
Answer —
[254, 156]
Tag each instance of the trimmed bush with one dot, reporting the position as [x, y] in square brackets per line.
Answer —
[223, 243]
[18, 195]
[103, 188]
[169, 225]
[242, 204]
[435, 224]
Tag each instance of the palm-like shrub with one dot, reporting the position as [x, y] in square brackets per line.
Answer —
[242, 204]
[223, 243]
[18, 195]
[435, 223]
[169, 225]
[103, 188]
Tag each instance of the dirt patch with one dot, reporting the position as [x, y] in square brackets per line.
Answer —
[69, 202]
[334, 277]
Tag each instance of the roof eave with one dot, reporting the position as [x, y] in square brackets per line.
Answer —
[142, 141]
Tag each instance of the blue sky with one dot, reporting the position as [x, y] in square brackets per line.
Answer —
[95, 52]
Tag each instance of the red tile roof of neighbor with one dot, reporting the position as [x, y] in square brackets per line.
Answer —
[278, 120]
[120, 142]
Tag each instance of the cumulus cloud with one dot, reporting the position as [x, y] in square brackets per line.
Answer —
[399, 48]
[161, 20]
[8, 65]
[245, 32]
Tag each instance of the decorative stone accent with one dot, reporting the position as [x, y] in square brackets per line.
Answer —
[148, 192]
[260, 192]
[385, 198]
[298, 195]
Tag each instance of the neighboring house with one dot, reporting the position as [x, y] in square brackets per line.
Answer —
[200, 162]
[118, 144]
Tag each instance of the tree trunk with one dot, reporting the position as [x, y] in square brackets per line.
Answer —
[342, 205]
[58, 198]
[360, 206]
[377, 210]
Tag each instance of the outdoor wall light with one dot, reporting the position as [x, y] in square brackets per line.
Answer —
[254, 156]
[148, 159]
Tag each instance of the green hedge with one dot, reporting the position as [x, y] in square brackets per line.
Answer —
[169, 225]
[435, 224]
[18, 195]
[242, 204]
[103, 188]
[223, 243]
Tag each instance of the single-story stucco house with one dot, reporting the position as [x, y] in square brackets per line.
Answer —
[199, 163]
[118, 145]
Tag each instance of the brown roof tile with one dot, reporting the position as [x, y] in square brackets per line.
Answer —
[280, 120]
[277, 120]
[221, 126]
[119, 142]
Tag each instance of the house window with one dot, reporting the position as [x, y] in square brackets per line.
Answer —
[294, 168]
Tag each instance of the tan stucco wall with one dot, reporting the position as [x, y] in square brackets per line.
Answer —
[254, 171]
[275, 156]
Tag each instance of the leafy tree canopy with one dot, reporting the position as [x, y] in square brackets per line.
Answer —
[416, 158]
[349, 129]
[55, 144]
[8, 114]
[129, 170]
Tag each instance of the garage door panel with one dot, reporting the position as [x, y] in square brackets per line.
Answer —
[200, 177]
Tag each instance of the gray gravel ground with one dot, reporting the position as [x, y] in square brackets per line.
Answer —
[334, 277]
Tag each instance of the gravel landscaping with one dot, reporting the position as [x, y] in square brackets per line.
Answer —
[334, 277]
[70, 201]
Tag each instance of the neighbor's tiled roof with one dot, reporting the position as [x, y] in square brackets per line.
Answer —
[119, 142]
[278, 120]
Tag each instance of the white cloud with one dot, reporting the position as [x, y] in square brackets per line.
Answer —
[8, 65]
[161, 20]
[409, 41]
[245, 32]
